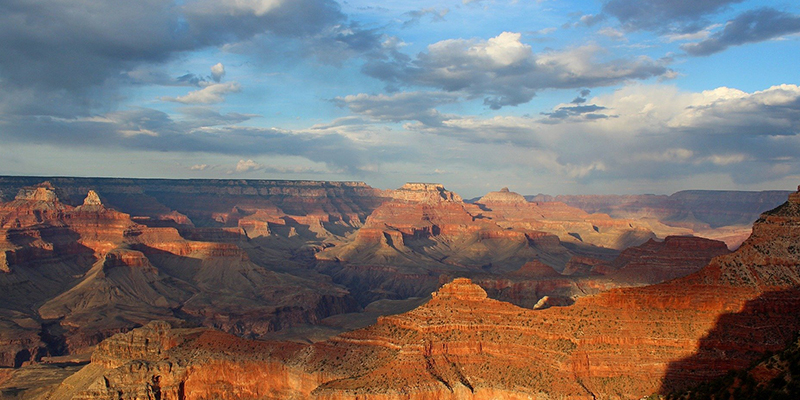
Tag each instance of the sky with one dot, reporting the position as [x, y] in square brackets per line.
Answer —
[547, 96]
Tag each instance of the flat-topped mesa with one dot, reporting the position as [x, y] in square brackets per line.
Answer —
[503, 196]
[461, 289]
[41, 192]
[425, 193]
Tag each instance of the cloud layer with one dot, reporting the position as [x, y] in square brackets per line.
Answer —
[571, 94]
[505, 72]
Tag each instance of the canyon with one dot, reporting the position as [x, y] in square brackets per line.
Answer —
[329, 290]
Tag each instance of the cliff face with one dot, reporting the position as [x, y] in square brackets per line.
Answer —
[207, 202]
[621, 344]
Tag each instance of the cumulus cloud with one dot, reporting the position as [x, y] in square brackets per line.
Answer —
[248, 166]
[748, 27]
[505, 71]
[651, 132]
[217, 72]
[210, 94]
[199, 167]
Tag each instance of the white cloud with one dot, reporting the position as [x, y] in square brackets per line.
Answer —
[699, 35]
[217, 72]
[239, 7]
[506, 72]
[248, 166]
[612, 33]
[199, 167]
[545, 31]
[644, 132]
[726, 159]
[501, 51]
[137, 132]
[211, 94]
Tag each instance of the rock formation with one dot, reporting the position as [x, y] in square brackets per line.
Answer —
[502, 196]
[427, 231]
[80, 274]
[430, 193]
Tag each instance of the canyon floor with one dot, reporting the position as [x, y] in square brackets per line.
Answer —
[195, 289]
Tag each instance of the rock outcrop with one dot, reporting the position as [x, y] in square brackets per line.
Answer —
[430, 193]
[502, 196]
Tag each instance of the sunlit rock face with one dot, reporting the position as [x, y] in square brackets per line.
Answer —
[425, 193]
[502, 196]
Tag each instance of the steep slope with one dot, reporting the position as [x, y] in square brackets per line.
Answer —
[121, 291]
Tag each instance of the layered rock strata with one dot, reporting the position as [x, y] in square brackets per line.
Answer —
[622, 344]
[76, 275]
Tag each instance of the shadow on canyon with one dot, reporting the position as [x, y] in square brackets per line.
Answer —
[765, 324]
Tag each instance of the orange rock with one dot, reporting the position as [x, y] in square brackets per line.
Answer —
[625, 343]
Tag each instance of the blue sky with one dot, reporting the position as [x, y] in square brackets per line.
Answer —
[616, 96]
